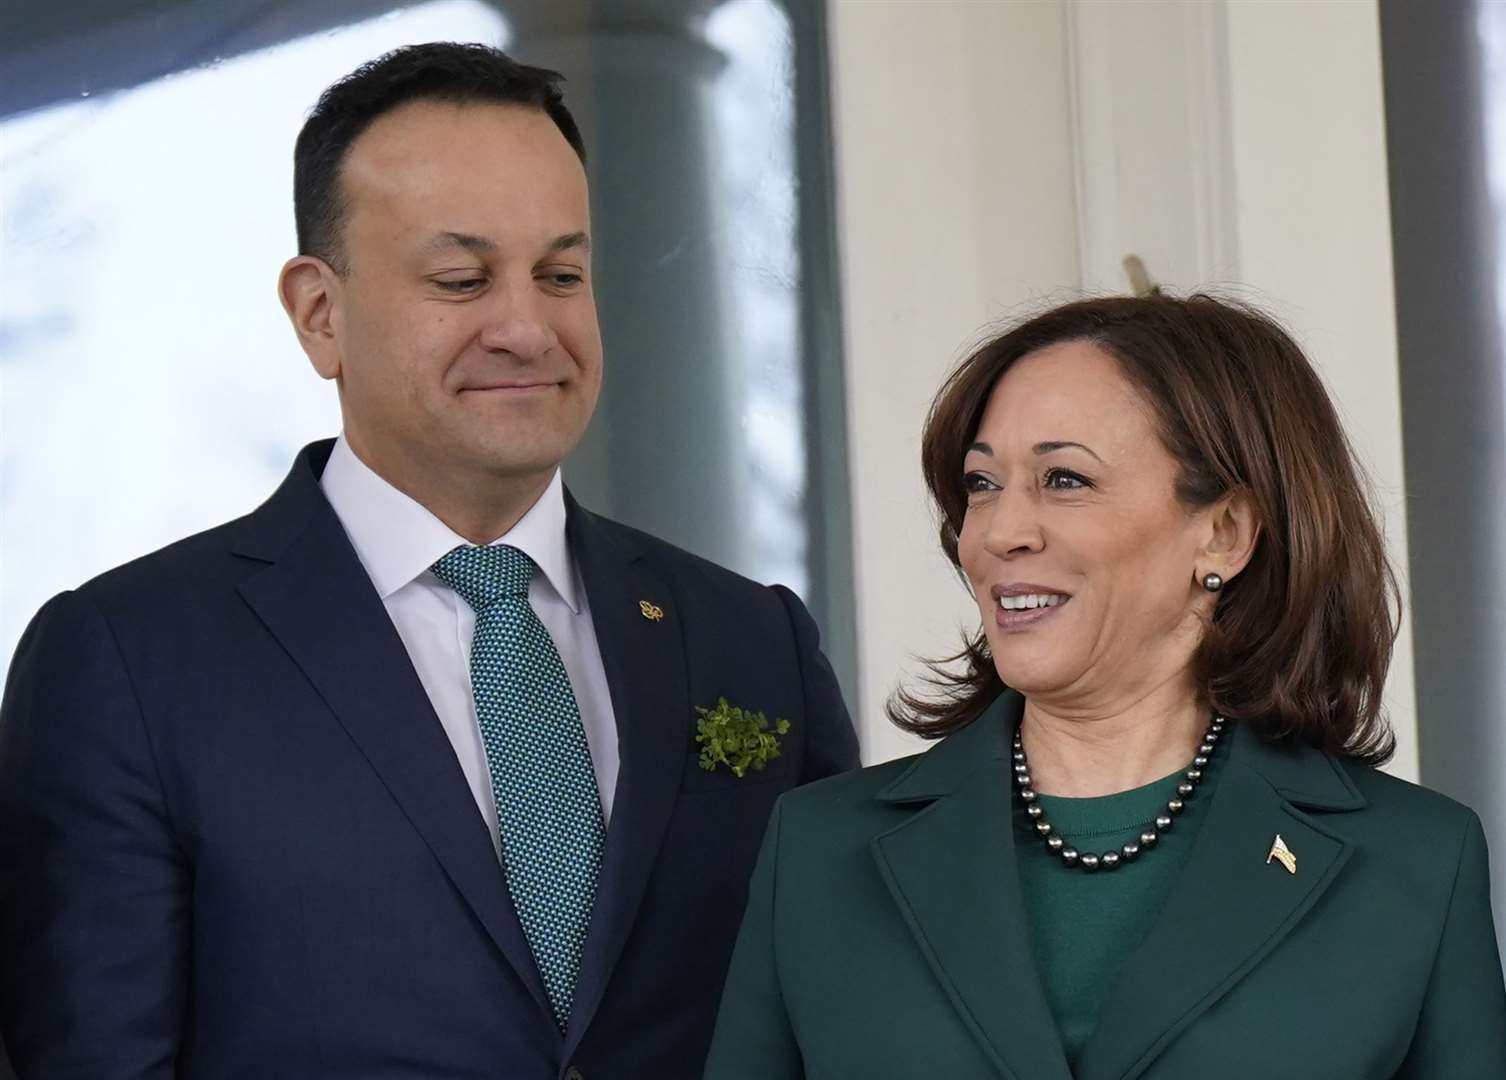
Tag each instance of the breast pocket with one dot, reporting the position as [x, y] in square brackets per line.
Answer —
[695, 779]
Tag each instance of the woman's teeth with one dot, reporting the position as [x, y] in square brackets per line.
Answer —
[1031, 600]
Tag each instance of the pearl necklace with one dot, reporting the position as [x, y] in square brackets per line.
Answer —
[1112, 860]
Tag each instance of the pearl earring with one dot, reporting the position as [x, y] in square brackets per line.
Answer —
[1212, 582]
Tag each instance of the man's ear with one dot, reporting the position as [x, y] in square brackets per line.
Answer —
[1233, 529]
[310, 292]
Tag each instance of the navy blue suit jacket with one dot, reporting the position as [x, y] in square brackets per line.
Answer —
[236, 842]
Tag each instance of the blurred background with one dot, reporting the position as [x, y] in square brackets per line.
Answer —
[804, 213]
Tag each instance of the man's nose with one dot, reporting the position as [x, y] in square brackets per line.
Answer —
[519, 324]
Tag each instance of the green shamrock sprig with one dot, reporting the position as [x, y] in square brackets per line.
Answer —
[737, 738]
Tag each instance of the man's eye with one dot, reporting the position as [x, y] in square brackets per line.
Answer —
[461, 285]
[975, 482]
[1065, 480]
[563, 281]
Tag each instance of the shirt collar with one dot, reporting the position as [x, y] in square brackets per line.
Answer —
[397, 539]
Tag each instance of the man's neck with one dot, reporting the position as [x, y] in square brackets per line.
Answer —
[479, 506]
[1083, 754]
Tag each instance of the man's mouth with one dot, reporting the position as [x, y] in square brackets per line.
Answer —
[512, 387]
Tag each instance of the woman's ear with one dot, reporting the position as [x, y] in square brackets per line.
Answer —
[310, 293]
[1233, 529]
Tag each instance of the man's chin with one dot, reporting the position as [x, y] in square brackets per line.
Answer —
[517, 462]
[517, 446]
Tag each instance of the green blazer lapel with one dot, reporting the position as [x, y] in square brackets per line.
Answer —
[1233, 903]
[951, 869]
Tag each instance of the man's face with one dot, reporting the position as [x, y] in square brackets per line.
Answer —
[465, 326]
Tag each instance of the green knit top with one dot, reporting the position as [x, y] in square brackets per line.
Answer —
[1084, 926]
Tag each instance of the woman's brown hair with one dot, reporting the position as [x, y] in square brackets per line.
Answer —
[1300, 641]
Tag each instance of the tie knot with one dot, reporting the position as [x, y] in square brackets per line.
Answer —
[484, 575]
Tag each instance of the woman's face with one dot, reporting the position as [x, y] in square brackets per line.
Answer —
[1080, 555]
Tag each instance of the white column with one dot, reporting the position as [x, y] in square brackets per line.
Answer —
[1314, 240]
[667, 432]
[955, 209]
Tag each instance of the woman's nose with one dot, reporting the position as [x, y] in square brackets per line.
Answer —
[1013, 525]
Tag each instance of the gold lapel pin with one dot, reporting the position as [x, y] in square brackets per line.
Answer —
[651, 612]
[1282, 854]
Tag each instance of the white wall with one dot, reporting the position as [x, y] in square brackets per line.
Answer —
[955, 207]
[1314, 228]
[990, 155]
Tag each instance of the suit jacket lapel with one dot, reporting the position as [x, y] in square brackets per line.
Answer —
[1231, 906]
[644, 661]
[951, 870]
[317, 600]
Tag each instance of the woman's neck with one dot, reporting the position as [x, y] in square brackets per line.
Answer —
[1083, 754]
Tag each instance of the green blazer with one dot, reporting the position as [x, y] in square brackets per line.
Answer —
[885, 934]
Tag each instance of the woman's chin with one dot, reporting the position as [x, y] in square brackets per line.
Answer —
[1030, 678]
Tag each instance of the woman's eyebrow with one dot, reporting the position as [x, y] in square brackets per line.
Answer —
[1049, 447]
[1039, 448]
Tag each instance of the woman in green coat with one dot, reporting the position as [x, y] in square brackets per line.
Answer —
[1152, 841]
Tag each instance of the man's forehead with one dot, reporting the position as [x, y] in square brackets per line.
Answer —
[468, 177]
[419, 129]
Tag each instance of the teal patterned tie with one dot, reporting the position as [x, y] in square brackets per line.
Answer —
[548, 808]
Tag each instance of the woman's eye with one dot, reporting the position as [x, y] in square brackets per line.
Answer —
[975, 482]
[1064, 480]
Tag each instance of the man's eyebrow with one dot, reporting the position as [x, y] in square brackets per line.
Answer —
[483, 245]
[476, 245]
[570, 240]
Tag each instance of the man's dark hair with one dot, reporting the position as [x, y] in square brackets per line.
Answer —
[438, 71]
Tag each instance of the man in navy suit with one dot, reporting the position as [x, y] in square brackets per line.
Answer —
[396, 776]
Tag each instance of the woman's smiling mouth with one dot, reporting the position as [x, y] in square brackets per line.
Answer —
[1020, 606]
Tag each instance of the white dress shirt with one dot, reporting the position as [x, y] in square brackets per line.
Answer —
[397, 540]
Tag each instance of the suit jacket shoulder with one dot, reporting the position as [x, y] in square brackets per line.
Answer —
[688, 570]
[845, 810]
[1393, 800]
[224, 554]
[177, 570]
